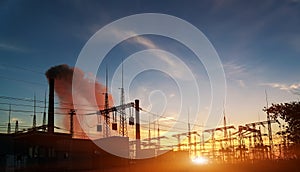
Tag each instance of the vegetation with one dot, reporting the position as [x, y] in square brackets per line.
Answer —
[290, 113]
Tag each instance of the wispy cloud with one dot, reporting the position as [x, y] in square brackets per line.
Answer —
[151, 45]
[236, 73]
[293, 88]
[10, 47]
[234, 70]
[146, 42]
[174, 66]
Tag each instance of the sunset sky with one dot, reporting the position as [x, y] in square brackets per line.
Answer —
[258, 43]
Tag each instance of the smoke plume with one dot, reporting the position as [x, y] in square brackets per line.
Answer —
[63, 76]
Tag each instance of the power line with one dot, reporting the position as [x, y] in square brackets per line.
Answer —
[24, 111]
[26, 105]
[31, 111]
[42, 101]
[22, 68]
[21, 80]
[20, 99]
[171, 119]
[164, 125]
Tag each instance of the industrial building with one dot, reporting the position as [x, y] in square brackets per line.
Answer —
[43, 149]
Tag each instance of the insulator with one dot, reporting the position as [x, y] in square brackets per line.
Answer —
[131, 120]
[114, 126]
[99, 128]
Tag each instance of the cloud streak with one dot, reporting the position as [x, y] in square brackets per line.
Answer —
[234, 70]
[293, 88]
[181, 71]
[151, 45]
[236, 73]
[9, 47]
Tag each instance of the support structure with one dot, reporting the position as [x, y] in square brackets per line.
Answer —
[106, 106]
[269, 129]
[72, 113]
[51, 106]
[187, 134]
[44, 114]
[213, 139]
[17, 126]
[123, 124]
[137, 128]
[8, 125]
[113, 109]
[34, 114]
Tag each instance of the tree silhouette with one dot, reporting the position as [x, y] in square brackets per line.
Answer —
[290, 113]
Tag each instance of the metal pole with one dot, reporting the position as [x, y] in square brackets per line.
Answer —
[51, 106]
[137, 127]
[72, 113]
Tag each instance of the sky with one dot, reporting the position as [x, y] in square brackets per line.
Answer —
[258, 43]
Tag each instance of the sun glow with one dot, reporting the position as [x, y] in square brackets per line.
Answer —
[200, 160]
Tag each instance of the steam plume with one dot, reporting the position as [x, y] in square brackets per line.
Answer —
[63, 75]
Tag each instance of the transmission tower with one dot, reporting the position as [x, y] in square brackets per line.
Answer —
[106, 106]
[123, 124]
[269, 128]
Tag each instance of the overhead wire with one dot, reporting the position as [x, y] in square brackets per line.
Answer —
[162, 126]
[21, 68]
[37, 106]
[171, 119]
[42, 101]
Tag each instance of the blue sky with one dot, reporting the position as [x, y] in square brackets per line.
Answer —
[258, 43]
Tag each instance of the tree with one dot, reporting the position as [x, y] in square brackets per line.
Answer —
[290, 113]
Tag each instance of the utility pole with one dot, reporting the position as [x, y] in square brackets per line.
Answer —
[34, 114]
[8, 125]
[72, 113]
[17, 126]
[189, 131]
[137, 128]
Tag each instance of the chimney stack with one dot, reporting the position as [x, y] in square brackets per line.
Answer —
[51, 106]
